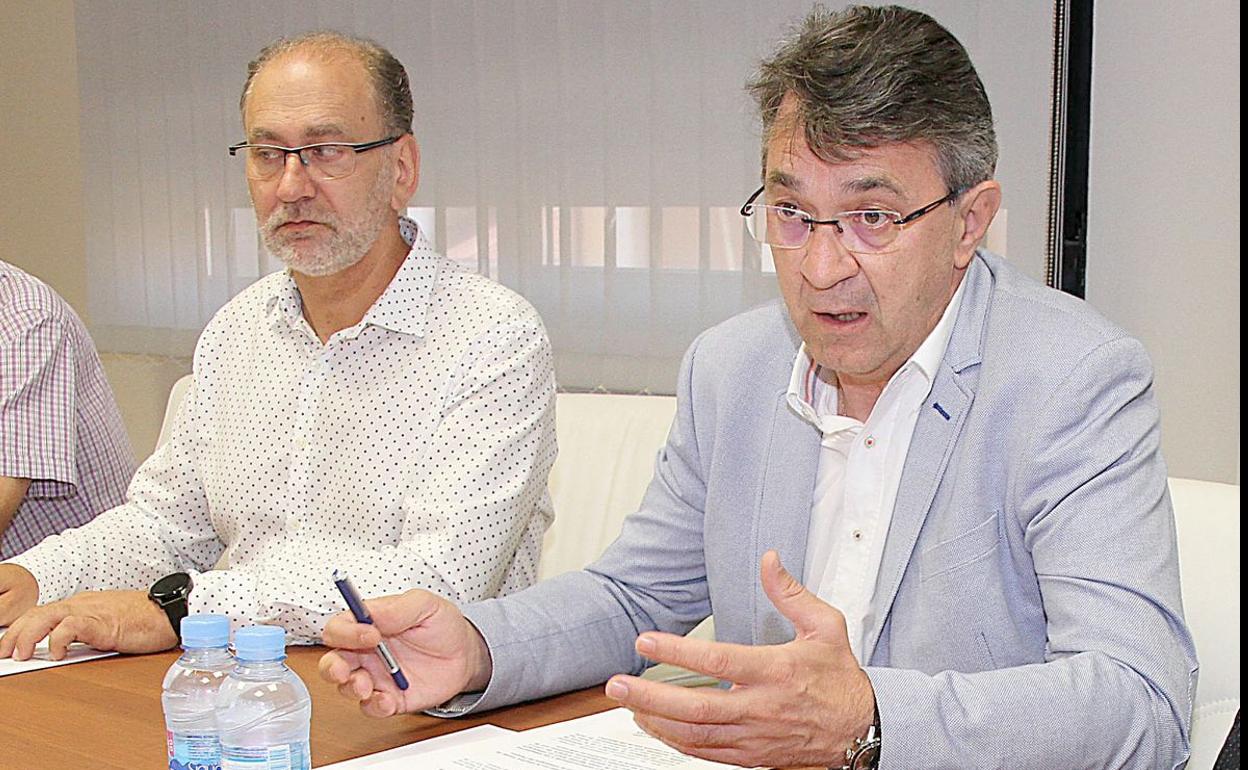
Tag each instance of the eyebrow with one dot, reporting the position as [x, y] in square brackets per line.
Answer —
[779, 178]
[782, 179]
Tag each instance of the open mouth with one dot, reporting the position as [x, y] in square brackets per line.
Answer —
[841, 318]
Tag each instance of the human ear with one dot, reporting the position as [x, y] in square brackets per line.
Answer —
[976, 208]
[407, 176]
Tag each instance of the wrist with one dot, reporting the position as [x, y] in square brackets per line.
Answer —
[481, 665]
[863, 752]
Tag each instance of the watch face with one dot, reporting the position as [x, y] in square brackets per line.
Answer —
[869, 757]
[171, 586]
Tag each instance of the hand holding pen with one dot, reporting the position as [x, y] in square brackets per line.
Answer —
[352, 597]
[442, 652]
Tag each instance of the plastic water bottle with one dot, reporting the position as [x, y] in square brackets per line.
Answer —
[264, 712]
[189, 693]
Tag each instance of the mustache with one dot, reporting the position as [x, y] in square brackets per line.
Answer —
[294, 213]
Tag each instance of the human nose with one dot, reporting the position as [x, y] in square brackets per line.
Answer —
[826, 262]
[294, 182]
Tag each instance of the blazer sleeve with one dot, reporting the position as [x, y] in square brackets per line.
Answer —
[653, 577]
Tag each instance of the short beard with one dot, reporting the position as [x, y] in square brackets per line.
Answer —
[348, 240]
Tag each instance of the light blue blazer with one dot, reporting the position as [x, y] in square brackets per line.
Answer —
[1027, 612]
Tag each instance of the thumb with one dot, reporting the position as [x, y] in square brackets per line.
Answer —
[811, 617]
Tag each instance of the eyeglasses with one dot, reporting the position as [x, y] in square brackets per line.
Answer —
[867, 231]
[323, 160]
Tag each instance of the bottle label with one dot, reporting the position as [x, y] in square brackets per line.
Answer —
[193, 751]
[289, 756]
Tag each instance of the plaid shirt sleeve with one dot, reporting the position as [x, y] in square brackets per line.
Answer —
[37, 403]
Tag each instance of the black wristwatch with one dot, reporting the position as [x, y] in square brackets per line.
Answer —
[864, 754]
[170, 593]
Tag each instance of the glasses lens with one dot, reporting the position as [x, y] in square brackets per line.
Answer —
[322, 161]
[868, 232]
[263, 162]
[330, 161]
[777, 226]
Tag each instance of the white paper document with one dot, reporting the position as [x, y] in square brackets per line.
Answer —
[77, 653]
[606, 741]
[420, 748]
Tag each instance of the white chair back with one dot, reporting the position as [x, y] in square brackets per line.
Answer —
[607, 448]
[176, 394]
[1207, 518]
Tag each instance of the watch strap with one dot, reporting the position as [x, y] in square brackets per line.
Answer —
[172, 599]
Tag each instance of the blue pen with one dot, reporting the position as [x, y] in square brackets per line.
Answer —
[356, 604]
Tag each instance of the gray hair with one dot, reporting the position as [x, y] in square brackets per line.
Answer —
[868, 76]
[391, 89]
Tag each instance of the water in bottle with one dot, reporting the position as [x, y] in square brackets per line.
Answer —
[263, 709]
[189, 693]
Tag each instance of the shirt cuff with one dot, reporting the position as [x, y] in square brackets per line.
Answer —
[458, 706]
[52, 570]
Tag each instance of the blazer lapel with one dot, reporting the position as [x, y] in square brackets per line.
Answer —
[935, 435]
[783, 515]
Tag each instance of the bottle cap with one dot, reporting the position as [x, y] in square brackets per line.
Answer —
[200, 631]
[260, 643]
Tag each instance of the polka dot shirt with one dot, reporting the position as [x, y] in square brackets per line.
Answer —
[410, 450]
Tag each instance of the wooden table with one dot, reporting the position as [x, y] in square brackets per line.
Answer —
[106, 714]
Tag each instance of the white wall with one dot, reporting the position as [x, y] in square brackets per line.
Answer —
[1165, 140]
[41, 221]
[1163, 240]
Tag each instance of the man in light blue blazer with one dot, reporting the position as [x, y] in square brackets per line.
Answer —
[957, 467]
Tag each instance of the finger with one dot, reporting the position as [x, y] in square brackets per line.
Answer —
[335, 666]
[394, 614]
[360, 685]
[32, 628]
[812, 618]
[695, 705]
[733, 662]
[77, 628]
[688, 737]
[344, 631]
[380, 705]
[726, 752]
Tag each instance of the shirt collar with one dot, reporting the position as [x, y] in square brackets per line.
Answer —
[927, 358]
[815, 401]
[402, 307]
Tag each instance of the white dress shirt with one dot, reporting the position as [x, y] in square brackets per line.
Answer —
[859, 471]
[410, 450]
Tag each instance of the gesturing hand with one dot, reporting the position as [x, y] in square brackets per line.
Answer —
[439, 651]
[796, 704]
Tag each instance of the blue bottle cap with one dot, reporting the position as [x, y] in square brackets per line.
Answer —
[260, 643]
[199, 631]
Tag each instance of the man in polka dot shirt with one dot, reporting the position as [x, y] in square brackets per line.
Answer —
[373, 408]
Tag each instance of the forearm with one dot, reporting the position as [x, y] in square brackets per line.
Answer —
[570, 617]
[120, 549]
[12, 492]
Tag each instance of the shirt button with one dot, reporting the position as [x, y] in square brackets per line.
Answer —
[292, 524]
[301, 443]
[857, 533]
[868, 442]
